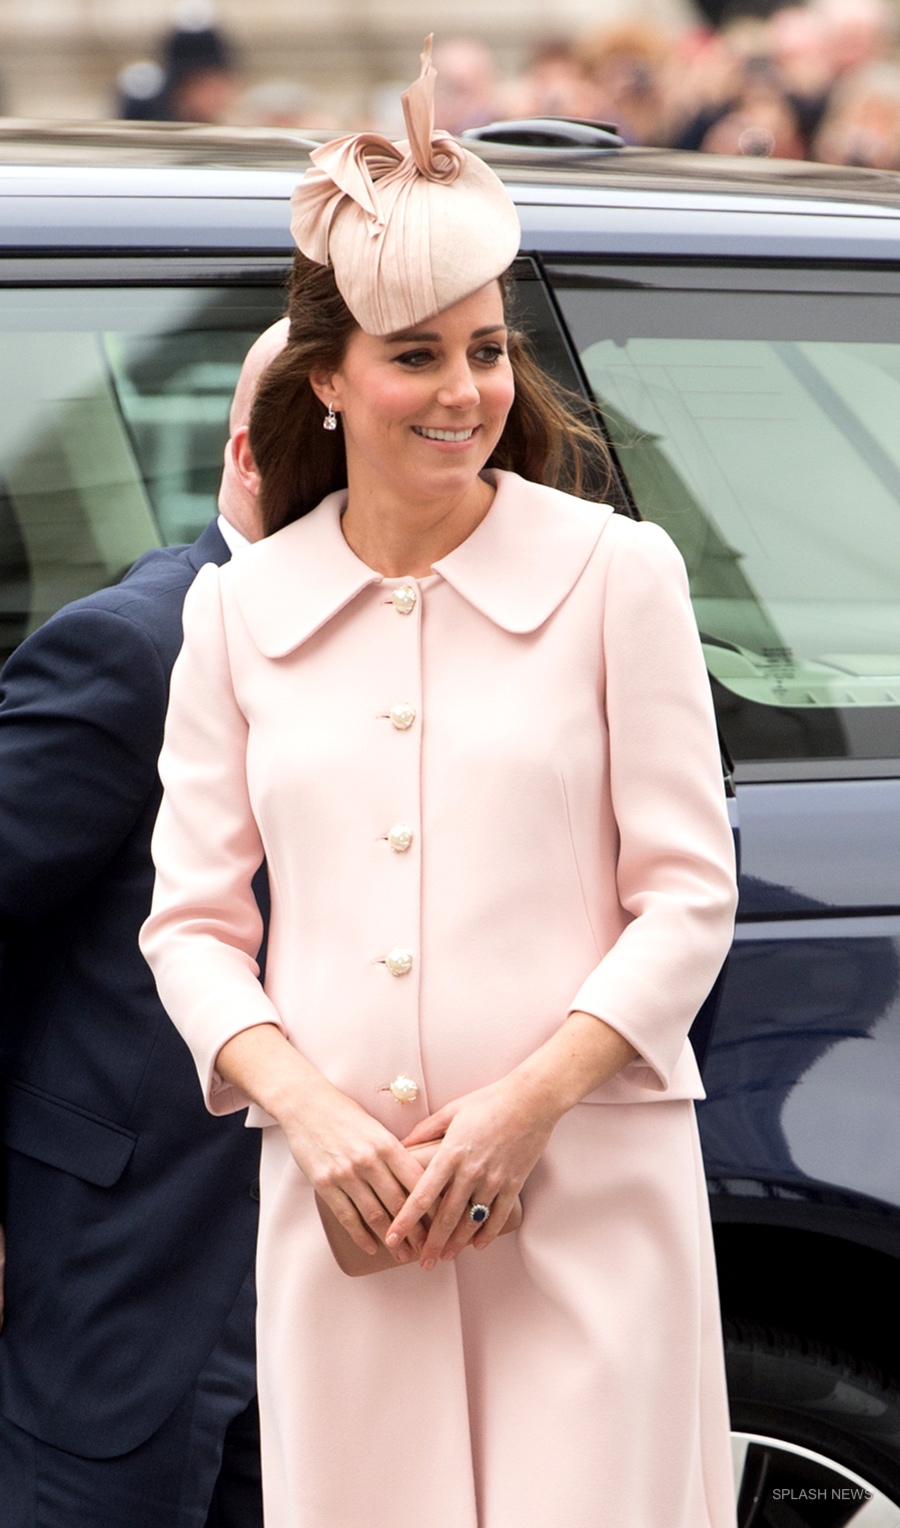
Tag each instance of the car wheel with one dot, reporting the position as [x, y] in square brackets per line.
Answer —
[816, 1433]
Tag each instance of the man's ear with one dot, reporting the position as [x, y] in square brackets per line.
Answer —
[244, 461]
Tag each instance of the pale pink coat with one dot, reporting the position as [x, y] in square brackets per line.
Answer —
[570, 849]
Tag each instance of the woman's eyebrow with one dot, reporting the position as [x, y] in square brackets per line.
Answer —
[434, 339]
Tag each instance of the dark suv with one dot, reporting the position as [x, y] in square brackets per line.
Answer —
[734, 328]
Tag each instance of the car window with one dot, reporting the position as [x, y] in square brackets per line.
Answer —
[112, 426]
[757, 422]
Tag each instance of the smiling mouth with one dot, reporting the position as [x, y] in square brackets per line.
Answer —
[455, 435]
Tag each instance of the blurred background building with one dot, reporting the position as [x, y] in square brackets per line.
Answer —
[59, 57]
[754, 77]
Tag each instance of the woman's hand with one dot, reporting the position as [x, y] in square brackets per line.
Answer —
[491, 1141]
[493, 1137]
[357, 1166]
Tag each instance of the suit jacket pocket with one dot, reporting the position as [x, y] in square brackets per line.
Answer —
[64, 1136]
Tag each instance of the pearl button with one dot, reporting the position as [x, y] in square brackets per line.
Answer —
[400, 837]
[404, 1090]
[404, 599]
[398, 960]
[402, 715]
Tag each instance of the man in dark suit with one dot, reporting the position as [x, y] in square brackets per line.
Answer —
[127, 1384]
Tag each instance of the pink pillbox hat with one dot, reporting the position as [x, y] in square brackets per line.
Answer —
[410, 228]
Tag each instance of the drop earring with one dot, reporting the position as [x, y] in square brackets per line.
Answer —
[330, 420]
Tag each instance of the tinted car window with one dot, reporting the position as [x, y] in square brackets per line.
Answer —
[758, 423]
[112, 425]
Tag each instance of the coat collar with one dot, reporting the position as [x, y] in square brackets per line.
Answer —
[516, 568]
[210, 546]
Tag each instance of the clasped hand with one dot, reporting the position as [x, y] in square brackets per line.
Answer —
[490, 1140]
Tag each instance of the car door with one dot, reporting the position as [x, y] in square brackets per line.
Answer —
[753, 412]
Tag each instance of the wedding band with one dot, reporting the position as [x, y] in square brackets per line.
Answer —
[479, 1213]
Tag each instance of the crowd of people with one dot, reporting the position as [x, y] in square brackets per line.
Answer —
[819, 81]
[816, 81]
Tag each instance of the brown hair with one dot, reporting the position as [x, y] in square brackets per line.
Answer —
[299, 462]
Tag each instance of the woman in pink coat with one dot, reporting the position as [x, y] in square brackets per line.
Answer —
[464, 717]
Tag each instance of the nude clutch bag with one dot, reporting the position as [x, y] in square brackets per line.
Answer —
[356, 1263]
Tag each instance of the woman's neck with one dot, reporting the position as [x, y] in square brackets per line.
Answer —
[400, 539]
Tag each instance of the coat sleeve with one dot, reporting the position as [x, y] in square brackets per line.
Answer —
[675, 871]
[82, 703]
[205, 928]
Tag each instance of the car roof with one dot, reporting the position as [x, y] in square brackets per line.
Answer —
[84, 186]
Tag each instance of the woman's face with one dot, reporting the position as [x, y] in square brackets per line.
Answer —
[422, 411]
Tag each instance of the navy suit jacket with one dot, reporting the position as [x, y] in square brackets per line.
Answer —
[130, 1212]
